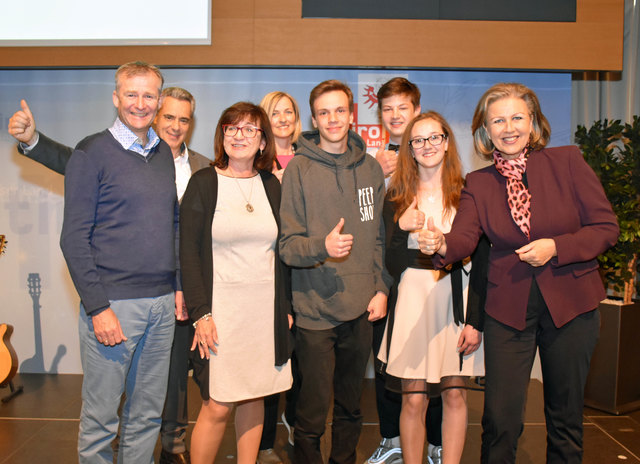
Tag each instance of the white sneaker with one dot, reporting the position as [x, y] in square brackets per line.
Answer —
[434, 454]
[389, 452]
[289, 429]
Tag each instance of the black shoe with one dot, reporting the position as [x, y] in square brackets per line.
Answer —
[171, 458]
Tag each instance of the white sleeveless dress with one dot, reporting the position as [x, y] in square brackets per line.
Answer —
[425, 336]
[243, 294]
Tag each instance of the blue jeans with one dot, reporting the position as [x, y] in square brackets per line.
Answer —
[139, 367]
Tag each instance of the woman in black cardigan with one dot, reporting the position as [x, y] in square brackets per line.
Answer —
[236, 289]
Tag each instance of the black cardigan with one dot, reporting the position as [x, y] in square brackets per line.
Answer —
[196, 262]
[397, 260]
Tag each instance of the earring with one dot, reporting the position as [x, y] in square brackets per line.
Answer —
[259, 152]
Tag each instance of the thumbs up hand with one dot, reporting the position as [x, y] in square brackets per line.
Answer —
[22, 125]
[412, 219]
[431, 240]
[338, 245]
[388, 160]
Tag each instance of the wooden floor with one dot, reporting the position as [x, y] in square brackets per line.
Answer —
[41, 426]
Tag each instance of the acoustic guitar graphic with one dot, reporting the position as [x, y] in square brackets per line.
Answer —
[8, 358]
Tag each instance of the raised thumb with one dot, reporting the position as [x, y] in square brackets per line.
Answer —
[430, 225]
[26, 110]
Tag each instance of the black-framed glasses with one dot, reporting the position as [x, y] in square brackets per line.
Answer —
[247, 131]
[420, 142]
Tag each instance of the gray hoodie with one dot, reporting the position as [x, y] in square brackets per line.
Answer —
[319, 188]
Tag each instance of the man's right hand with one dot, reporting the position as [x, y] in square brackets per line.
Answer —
[338, 245]
[106, 328]
[22, 126]
[388, 160]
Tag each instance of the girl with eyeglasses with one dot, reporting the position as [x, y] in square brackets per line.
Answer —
[433, 339]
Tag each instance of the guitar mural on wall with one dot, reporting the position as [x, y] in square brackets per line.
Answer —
[8, 357]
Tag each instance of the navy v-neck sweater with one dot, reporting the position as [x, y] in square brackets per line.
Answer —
[120, 221]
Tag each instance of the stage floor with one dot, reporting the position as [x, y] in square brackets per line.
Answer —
[41, 426]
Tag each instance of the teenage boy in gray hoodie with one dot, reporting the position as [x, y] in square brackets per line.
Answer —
[333, 237]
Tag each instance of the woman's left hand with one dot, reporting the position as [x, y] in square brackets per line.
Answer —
[469, 340]
[431, 240]
[205, 338]
[538, 252]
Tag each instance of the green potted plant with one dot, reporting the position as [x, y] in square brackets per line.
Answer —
[613, 152]
[612, 149]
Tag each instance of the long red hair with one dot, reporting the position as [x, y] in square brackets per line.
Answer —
[403, 186]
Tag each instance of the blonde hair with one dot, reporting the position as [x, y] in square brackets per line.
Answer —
[269, 102]
[540, 134]
[138, 68]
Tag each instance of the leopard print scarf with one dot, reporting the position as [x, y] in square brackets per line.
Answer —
[518, 196]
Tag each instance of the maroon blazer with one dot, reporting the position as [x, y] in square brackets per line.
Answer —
[568, 205]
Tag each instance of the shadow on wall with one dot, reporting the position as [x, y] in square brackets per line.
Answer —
[35, 364]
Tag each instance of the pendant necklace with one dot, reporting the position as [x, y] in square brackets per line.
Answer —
[248, 206]
[433, 196]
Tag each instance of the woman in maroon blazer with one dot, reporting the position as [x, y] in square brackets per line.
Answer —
[547, 217]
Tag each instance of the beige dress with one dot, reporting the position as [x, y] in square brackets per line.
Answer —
[243, 294]
[425, 336]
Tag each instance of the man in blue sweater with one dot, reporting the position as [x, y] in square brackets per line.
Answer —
[118, 238]
[172, 124]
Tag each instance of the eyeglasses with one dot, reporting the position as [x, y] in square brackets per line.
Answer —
[420, 142]
[247, 131]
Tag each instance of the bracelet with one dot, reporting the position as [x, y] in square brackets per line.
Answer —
[206, 317]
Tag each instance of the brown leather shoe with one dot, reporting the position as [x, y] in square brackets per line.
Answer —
[171, 458]
[268, 456]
